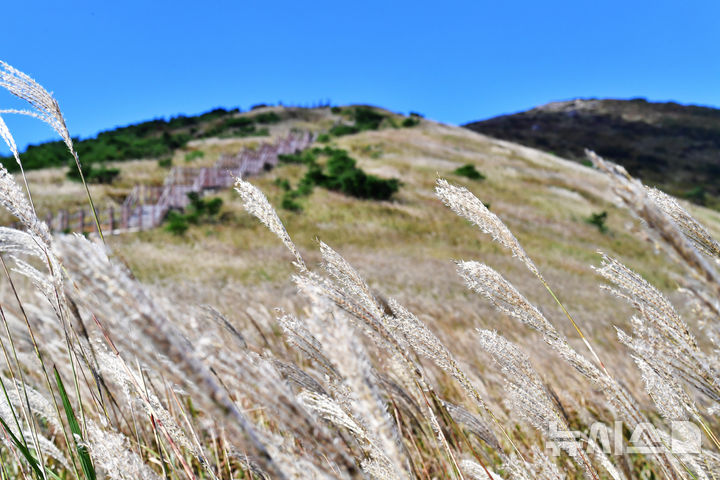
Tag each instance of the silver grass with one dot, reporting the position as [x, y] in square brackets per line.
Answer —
[256, 203]
[112, 454]
[465, 204]
[478, 472]
[39, 405]
[117, 371]
[297, 334]
[378, 465]
[601, 457]
[541, 467]
[634, 195]
[507, 299]
[16, 401]
[297, 466]
[110, 288]
[357, 389]
[529, 396]
[653, 305]
[662, 330]
[314, 286]
[404, 327]
[352, 283]
[9, 141]
[14, 201]
[692, 229]
[473, 424]
[45, 106]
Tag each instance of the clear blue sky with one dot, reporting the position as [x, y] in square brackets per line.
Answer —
[114, 63]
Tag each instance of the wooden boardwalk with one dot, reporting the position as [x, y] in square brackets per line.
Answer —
[146, 206]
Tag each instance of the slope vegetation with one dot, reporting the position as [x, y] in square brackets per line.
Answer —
[672, 146]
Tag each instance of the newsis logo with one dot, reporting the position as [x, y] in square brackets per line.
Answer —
[685, 439]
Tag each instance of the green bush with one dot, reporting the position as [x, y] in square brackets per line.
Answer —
[152, 139]
[344, 176]
[102, 175]
[340, 130]
[267, 117]
[468, 170]
[367, 119]
[238, 122]
[92, 174]
[696, 195]
[410, 122]
[199, 211]
[195, 154]
[165, 162]
[323, 138]
[283, 183]
[598, 219]
[176, 223]
[336, 110]
[288, 203]
[292, 158]
[340, 173]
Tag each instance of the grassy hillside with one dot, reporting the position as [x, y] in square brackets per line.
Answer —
[672, 146]
[197, 355]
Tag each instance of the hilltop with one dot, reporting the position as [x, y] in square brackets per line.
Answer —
[674, 147]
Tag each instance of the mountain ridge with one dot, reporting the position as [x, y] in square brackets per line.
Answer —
[672, 146]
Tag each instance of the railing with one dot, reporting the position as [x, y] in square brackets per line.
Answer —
[146, 206]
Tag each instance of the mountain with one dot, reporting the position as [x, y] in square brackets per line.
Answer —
[674, 147]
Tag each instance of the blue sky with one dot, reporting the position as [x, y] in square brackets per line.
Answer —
[114, 63]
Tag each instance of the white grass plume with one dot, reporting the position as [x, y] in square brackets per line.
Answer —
[465, 204]
[45, 106]
[256, 203]
[529, 396]
[692, 229]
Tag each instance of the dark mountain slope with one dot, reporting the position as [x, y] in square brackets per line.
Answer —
[672, 146]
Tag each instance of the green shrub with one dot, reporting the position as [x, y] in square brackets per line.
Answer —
[468, 170]
[263, 132]
[259, 105]
[336, 110]
[267, 117]
[199, 211]
[283, 183]
[92, 173]
[165, 162]
[342, 129]
[367, 119]
[239, 122]
[102, 175]
[195, 154]
[292, 158]
[323, 138]
[410, 122]
[73, 173]
[344, 176]
[288, 203]
[696, 195]
[598, 219]
[176, 223]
